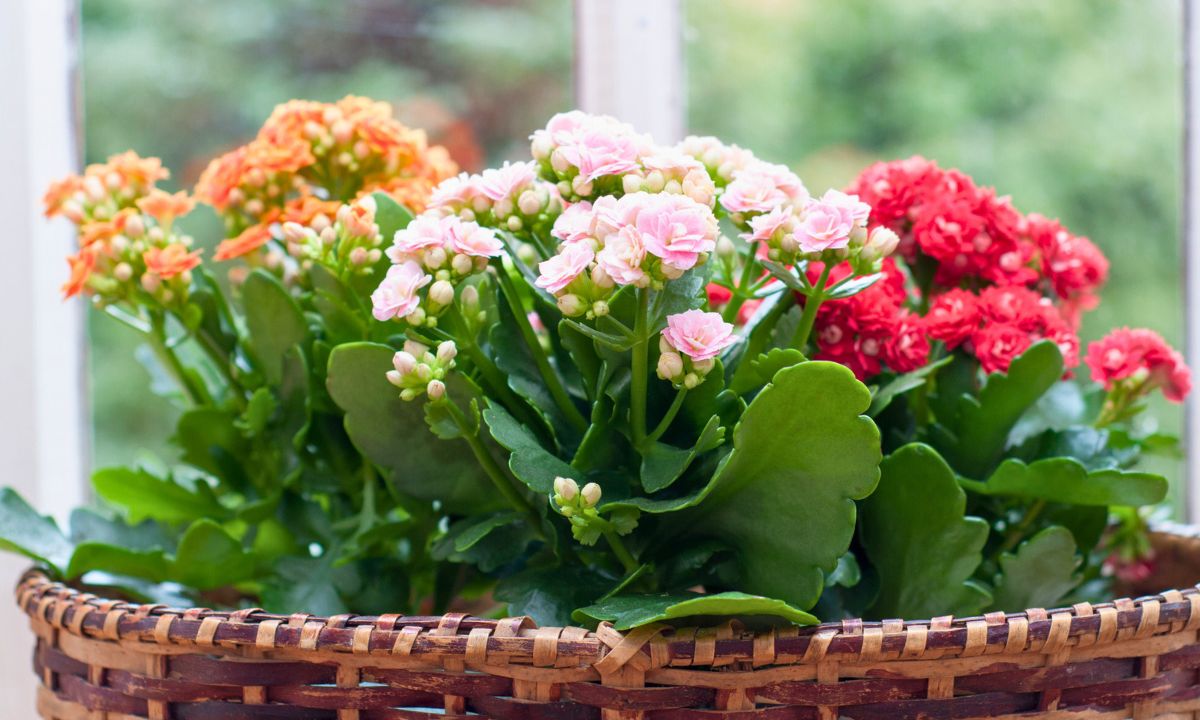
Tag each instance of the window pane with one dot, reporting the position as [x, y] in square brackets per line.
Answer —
[1073, 107]
[186, 81]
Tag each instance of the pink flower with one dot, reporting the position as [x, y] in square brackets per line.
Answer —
[461, 189]
[561, 270]
[506, 181]
[575, 223]
[699, 335]
[468, 238]
[828, 222]
[423, 233]
[397, 295]
[761, 187]
[675, 228]
[622, 256]
[763, 227]
[600, 152]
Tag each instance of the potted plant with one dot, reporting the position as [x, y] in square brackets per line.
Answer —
[661, 392]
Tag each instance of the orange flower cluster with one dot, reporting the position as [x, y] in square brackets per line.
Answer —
[126, 241]
[311, 157]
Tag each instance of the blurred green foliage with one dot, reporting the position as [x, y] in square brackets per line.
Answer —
[186, 81]
[1073, 107]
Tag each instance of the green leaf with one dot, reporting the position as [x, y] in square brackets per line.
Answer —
[785, 275]
[784, 497]
[149, 565]
[274, 322]
[507, 535]
[530, 462]
[984, 423]
[663, 464]
[549, 595]
[1039, 574]
[390, 216]
[307, 585]
[392, 433]
[852, 286]
[143, 495]
[88, 525]
[902, 384]
[1062, 406]
[918, 539]
[258, 412]
[1066, 480]
[764, 367]
[37, 537]
[209, 440]
[477, 531]
[629, 611]
[210, 557]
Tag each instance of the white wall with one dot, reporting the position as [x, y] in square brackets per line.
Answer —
[42, 398]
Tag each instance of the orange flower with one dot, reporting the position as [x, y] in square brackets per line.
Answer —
[220, 178]
[133, 169]
[165, 207]
[172, 260]
[304, 209]
[250, 240]
[59, 192]
[98, 231]
[82, 264]
[284, 154]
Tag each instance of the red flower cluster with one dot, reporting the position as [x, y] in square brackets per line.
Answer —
[977, 237]
[1144, 358]
[870, 330]
[999, 324]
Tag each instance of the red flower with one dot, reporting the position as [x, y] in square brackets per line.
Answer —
[907, 348]
[998, 344]
[1141, 354]
[953, 317]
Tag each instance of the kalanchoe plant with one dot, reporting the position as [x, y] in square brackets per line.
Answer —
[621, 382]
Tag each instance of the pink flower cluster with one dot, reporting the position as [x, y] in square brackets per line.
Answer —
[722, 161]
[977, 237]
[437, 249]
[1140, 357]
[510, 196]
[578, 150]
[871, 330]
[999, 324]
[689, 346]
[632, 240]
[761, 187]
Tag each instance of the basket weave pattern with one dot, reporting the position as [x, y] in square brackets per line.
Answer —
[116, 661]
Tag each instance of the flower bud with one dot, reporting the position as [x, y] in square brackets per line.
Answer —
[559, 161]
[581, 186]
[655, 182]
[883, 242]
[408, 394]
[600, 308]
[374, 256]
[423, 372]
[541, 147]
[404, 362]
[631, 184]
[436, 389]
[135, 226]
[670, 366]
[469, 297]
[591, 494]
[358, 256]
[691, 380]
[601, 278]
[151, 282]
[441, 292]
[447, 351]
[123, 271]
[858, 236]
[416, 317]
[435, 258]
[703, 367]
[566, 488]
[725, 247]
[529, 203]
[570, 305]
[462, 264]
[414, 348]
[527, 254]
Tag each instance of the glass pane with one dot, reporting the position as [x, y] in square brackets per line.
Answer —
[187, 81]
[1073, 107]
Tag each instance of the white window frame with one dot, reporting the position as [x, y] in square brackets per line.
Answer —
[1191, 245]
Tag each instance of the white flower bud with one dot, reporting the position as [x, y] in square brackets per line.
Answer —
[655, 182]
[156, 234]
[529, 203]
[631, 184]
[703, 367]
[358, 256]
[541, 146]
[527, 254]
[600, 308]
[670, 366]
[725, 247]
[374, 256]
[135, 226]
[691, 380]
[514, 223]
[462, 264]
[151, 282]
[883, 242]
[469, 297]
[672, 187]
[441, 292]
[570, 305]
[328, 236]
[559, 161]
[858, 236]
[566, 488]
[416, 317]
[581, 186]
[435, 258]
[404, 361]
[423, 372]
[409, 394]
[395, 378]
[185, 277]
[601, 278]
[436, 389]
[447, 351]
[591, 494]
[123, 271]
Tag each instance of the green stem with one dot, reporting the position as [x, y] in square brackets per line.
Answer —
[740, 294]
[668, 418]
[498, 384]
[492, 469]
[640, 370]
[367, 515]
[196, 392]
[1014, 536]
[811, 304]
[619, 549]
[549, 375]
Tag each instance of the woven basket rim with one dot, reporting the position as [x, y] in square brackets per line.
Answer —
[521, 641]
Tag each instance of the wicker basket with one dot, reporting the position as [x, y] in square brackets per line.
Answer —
[113, 661]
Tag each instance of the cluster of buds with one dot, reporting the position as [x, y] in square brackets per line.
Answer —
[828, 229]
[438, 251]
[673, 172]
[311, 155]
[720, 160]
[509, 197]
[587, 155]
[638, 239]
[420, 371]
[351, 240]
[689, 346]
